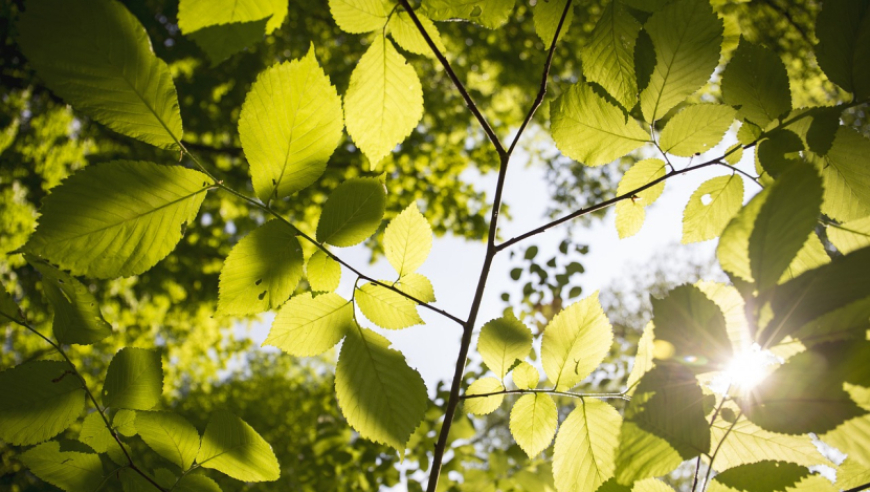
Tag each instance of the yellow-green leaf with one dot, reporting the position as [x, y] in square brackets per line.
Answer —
[850, 236]
[352, 213]
[323, 273]
[170, 435]
[756, 82]
[502, 341]
[630, 214]
[387, 308]
[533, 422]
[491, 14]
[134, 379]
[585, 447]
[696, 129]
[525, 376]
[547, 16]
[485, 404]
[711, 207]
[608, 59]
[68, 470]
[405, 33]
[307, 326]
[418, 286]
[358, 16]
[233, 447]
[408, 240]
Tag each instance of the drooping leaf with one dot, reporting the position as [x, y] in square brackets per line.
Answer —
[485, 404]
[608, 59]
[696, 129]
[733, 249]
[358, 16]
[687, 36]
[220, 41]
[352, 213]
[664, 424]
[756, 82]
[491, 14]
[261, 271]
[747, 443]
[384, 101]
[405, 33]
[525, 376]
[806, 393]
[590, 130]
[117, 219]
[170, 435]
[843, 29]
[418, 286]
[502, 342]
[694, 326]
[585, 447]
[68, 470]
[307, 326]
[380, 396]
[134, 379]
[234, 448]
[408, 240]
[850, 236]
[764, 476]
[323, 273]
[711, 207]
[289, 126]
[533, 422]
[194, 15]
[847, 180]
[575, 342]
[77, 316]
[40, 400]
[97, 56]
[547, 16]
[387, 308]
[630, 214]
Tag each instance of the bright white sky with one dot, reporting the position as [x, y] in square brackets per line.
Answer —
[454, 264]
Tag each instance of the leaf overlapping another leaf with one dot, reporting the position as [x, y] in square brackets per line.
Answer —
[233, 447]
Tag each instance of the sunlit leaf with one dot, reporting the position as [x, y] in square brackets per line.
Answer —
[756, 82]
[418, 286]
[405, 33]
[643, 361]
[745, 443]
[847, 180]
[486, 404]
[696, 129]
[630, 213]
[387, 308]
[850, 236]
[220, 41]
[234, 448]
[843, 29]
[733, 249]
[488, 13]
[764, 476]
[608, 59]
[170, 435]
[124, 422]
[352, 213]
[323, 273]
[525, 376]
[408, 240]
[68, 470]
[194, 15]
[134, 379]
[852, 473]
[547, 16]
[711, 207]
[533, 422]
[358, 16]
[502, 341]
[585, 447]
[307, 326]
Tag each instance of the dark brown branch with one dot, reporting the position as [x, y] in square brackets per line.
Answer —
[859, 488]
[459, 86]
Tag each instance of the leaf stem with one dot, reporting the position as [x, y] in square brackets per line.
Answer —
[570, 394]
[719, 446]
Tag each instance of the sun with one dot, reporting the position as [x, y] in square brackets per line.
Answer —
[746, 370]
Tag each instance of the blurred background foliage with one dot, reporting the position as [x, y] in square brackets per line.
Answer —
[290, 402]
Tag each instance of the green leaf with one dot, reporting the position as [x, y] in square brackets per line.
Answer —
[850, 236]
[95, 434]
[40, 400]
[502, 342]
[735, 154]
[590, 130]
[221, 41]
[8, 308]
[97, 56]
[194, 15]
[847, 180]
[806, 393]
[695, 327]
[787, 217]
[67, 470]
[817, 127]
[643, 361]
[261, 271]
[687, 36]
[117, 219]
[647, 5]
[408, 241]
[384, 101]
[575, 342]
[380, 396]
[358, 16]
[630, 213]
[387, 308]
[170, 435]
[533, 422]
[756, 82]
[234, 448]
[843, 29]
[696, 129]
[196, 483]
[289, 126]
[124, 422]
[352, 213]
[764, 476]
[843, 281]
[779, 152]
[664, 424]
[608, 59]
[852, 473]
[729, 300]
[77, 316]
[307, 326]
[485, 404]
[418, 286]
[851, 437]
[525, 376]
[746, 443]
[811, 256]
[733, 249]
[547, 16]
[134, 379]
[324, 273]
[711, 207]
[748, 133]
[585, 447]
[405, 33]
[491, 14]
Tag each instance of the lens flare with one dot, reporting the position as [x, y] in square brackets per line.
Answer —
[746, 370]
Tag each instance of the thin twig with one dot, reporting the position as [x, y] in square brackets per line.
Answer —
[718, 447]
[570, 394]
[712, 421]
[859, 488]
[456, 82]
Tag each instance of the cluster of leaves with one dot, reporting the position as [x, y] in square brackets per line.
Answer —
[643, 62]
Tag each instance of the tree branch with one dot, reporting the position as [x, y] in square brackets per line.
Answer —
[570, 394]
[456, 82]
[859, 488]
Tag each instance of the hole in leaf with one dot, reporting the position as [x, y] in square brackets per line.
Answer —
[707, 199]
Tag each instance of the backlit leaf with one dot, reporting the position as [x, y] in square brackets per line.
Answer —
[68, 470]
[747, 443]
[533, 422]
[194, 15]
[40, 400]
[488, 13]
[630, 214]
[485, 404]
[97, 56]
[307, 326]
[405, 33]
[352, 213]
[846, 178]
[170, 435]
[608, 59]
[711, 207]
[380, 396]
[764, 476]
[643, 361]
[733, 249]
[234, 448]
[843, 29]
[124, 422]
[585, 447]
[850, 236]
[8, 309]
[418, 286]
[134, 379]
[323, 273]
[756, 82]
[525, 376]
[851, 473]
[220, 41]
[502, 341]
[387, 308]
[547, 16]
[696, 129]
[358, 16]
[289, 126]
[408, 240]
[117, 219]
